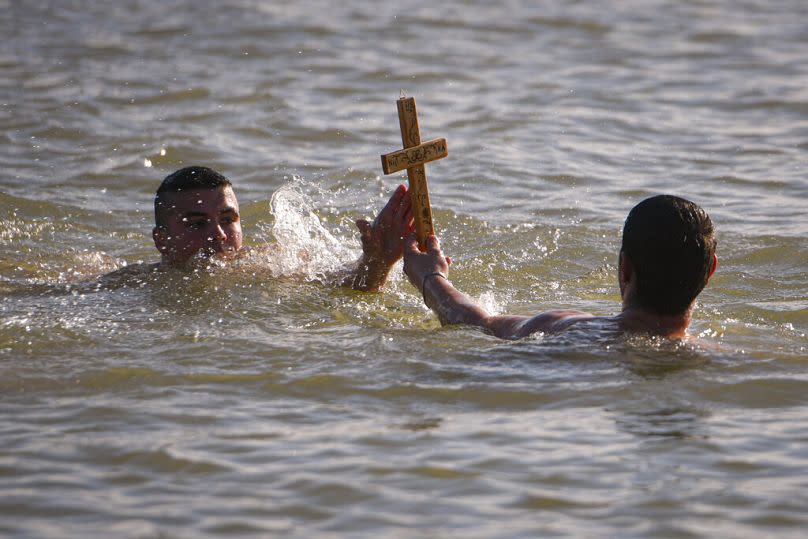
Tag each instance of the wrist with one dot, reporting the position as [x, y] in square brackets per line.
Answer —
[370, 274]
[375, 261]
[425, 279]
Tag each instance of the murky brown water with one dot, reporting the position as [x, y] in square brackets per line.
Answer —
[256, 401]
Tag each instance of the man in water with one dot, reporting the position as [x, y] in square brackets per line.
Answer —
[197, 217]
[666, 258]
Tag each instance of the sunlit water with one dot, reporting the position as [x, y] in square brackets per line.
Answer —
[256, 399]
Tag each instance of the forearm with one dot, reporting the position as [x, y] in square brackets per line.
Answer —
[450, 304]
[454, 307]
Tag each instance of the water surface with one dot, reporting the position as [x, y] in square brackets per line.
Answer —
[259, 400]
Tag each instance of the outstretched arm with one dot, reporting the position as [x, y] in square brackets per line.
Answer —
[382, 242]
[428, 272]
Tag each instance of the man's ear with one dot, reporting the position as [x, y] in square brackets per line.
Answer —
[159, 237]
[625, 271]
[626, 268]
[715, 265]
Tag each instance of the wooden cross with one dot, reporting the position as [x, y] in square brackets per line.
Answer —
[413, 157]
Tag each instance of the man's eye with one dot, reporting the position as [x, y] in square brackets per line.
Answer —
[195, 225]
[229, 219]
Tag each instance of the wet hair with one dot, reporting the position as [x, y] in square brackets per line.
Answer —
[185, 179]
[670, 243]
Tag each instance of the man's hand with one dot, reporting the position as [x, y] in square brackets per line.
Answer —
[418, 265]
[382, 241]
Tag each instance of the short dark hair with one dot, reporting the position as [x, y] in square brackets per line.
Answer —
[670, 243]
[185, 179]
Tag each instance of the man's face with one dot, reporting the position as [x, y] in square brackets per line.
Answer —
[204, 221]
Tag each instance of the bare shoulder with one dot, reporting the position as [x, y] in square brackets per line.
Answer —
[554, 321]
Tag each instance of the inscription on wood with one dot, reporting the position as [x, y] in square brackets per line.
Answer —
[417, 155]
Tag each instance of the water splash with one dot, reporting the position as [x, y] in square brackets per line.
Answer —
[303, 246]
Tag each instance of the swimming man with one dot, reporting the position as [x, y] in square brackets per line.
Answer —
[666, 258]
[197, 217]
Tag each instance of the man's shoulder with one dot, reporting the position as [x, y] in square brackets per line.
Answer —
[556, 321]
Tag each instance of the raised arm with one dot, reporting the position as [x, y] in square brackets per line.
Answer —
[382, 242]
[428, 272]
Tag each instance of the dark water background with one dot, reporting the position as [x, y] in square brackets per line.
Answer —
[255, 401]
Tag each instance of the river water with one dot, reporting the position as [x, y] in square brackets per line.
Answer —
[256, 400]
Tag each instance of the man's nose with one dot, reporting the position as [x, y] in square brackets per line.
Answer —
[218, 233]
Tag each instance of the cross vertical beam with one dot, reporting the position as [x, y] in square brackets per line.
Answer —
[413, 157]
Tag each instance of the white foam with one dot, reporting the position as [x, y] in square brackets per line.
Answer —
[304, 247]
